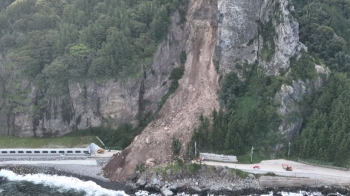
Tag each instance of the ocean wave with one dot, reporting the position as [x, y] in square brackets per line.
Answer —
[62, 182]
[300, 193]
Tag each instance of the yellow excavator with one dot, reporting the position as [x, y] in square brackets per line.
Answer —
[287, 167]
[101, 151]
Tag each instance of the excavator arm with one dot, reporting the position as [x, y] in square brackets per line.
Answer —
[287, 167]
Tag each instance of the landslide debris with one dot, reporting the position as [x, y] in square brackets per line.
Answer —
[196, 95]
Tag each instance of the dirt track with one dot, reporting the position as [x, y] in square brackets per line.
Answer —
[301, 170]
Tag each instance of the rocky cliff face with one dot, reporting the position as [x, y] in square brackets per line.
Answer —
[247, 28]
[265, 31]
[218, 36]
[289, 98]
[92, 104]
[247, 31]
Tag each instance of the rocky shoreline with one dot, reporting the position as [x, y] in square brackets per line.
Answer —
[209, 180]
[203, 181]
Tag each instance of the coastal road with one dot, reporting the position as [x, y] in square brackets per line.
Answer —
[35, 160]
[107, 154]
[56, 162]
[299, 170]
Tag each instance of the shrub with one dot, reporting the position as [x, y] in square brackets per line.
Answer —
[140, 168]
[193, 168]
[304, 67]
[177, 73]
[183, 58]
[270, 174]
[176, 146]
[179, 162]
[240, 173]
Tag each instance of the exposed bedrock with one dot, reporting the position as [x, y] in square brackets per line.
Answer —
[265, 31]
[91, 103]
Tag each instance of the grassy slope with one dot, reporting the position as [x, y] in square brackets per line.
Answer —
[69, 142]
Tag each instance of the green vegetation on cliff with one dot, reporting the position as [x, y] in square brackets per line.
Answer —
[249, 115]
[69, 142]
[250, 118]
[53, 43]
[325, 30]
[325, 134]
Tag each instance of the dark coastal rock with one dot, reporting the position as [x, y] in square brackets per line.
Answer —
[219, 168]
[142, 181]
[195, 189]
[154, 183]
[224, 173]
[343, 191]
[21, 187]
[166, 192]
[130, 188]
[151, 188]
[174, 186]
[132, 177]
[251, 176]
[326, 191]
[233, 193]
[168, 172]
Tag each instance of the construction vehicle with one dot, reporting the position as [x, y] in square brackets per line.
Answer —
[101, 151]
[256, 167]
[287, 167]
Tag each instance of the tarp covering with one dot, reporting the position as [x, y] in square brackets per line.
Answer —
[93, 148]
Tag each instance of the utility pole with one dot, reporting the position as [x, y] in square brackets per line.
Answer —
[195, 149]
[251, 154]
[288, 149]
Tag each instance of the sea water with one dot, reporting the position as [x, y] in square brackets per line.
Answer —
[49, 185]
[12, 184]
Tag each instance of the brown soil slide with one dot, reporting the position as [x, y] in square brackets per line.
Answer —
[196, 95]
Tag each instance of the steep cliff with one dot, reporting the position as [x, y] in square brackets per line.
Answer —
[257, 30]
[219, 37]
[265, 31]
[242, 33]
[88, 104]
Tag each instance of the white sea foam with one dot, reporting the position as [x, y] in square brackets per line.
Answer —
[300, 193]
[63, 183]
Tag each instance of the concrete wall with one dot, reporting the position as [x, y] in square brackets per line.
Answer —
[218, 157]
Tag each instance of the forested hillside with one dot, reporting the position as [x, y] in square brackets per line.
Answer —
[51, 43]
[325, 30]
[54, 42]
[48, 45]
[248, 116]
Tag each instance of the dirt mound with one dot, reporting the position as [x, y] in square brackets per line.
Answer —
[196, 95]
